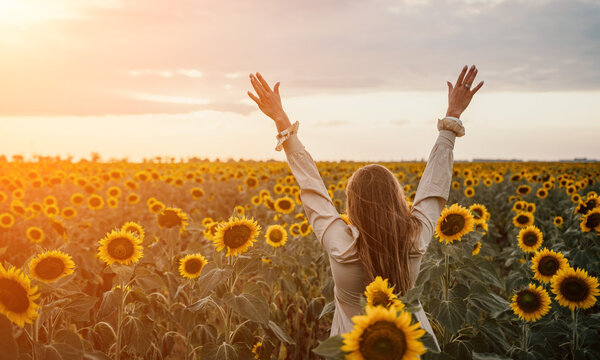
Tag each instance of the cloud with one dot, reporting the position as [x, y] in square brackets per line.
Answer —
[90, 64]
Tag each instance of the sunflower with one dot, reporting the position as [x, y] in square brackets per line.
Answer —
[196, 193]
[255, 349]
[269, 203]
[7, 220]
[455, 185]
[211, 230]
[256, 200]
[574, 288]
[531, 303]
[523, 189]
[239, 210]
[523, 219]
[542, 193]
[453, 223]
[519, 206]
[530, 207]
[383, 334]
[305, 228]
[558, 220]
[50, 266]
[284, 205]
[68, 213]
[121, 247]
[112, 202]
[207, 221]
[133, 198]
[469, 192]
[135, 228]
[530, 238]
[251, 182]
[51, 210]
[295, 229]
[171, 217]
[276, 236]
[17, 296]
[95, 202]
[576, 198]
[237, 235]
[77, 199]
[546, 263]
[114, 191]
[191, 265]
[476, 248]
[156, 207]
[379, 293]
[35, 234]
[50, 200]
[591, 221]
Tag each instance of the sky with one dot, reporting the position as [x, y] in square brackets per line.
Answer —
[366, 79]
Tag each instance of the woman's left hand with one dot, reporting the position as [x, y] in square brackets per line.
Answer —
[269, 101]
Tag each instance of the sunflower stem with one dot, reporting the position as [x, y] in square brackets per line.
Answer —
[575, 344]
[446, 282]
[120, 321]
[525, 336]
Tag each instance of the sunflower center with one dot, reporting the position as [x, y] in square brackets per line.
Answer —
[50, 268]
[285, 204]
[478, 213]
[548, 266]
[530, 239]
[380, 298]
[121, 248]
[169, 218]
[304, 227]
[453, 224]
[381, 341]
[193, 266]
[593, 220]
[95, 202]
[35, 234]
[523, 219]
[237, 236]
[574, 289]
[528, 301]
[523, 190]
[276, 235]
[6, 220]
[13, 296]
[251, 182]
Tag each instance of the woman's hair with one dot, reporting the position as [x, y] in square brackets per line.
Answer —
[376, 206]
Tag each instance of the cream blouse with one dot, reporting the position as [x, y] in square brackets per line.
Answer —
[339, 239]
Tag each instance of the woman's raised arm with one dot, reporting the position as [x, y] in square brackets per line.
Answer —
[319, 208]
[434, 186]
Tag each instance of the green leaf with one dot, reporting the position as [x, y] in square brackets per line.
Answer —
[327, 309]
[249, 306]
[450, 313]
[331, 348]
[223, 351]
[103, 335]
[482, 356]
[68, 344]
[79, 306]
[212, 278]
[280, 333]
[8, 344]
[110, 303]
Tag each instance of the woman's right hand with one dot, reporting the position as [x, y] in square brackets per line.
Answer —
[269, 101]
[459, 96]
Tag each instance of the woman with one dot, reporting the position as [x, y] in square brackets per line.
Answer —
[386, 237]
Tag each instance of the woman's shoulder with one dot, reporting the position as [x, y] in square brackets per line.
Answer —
[340, 241]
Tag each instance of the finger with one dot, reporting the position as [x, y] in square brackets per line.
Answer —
[461, 76]
[450, 87]
[477, 87]
[263, 82]
[276, 88]
[256, 100]
[257, 86]
[469, 76]
[469, 80]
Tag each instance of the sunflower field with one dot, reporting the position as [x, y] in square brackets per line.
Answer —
[216, 260]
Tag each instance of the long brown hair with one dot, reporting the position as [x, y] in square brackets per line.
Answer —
[376, 206]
